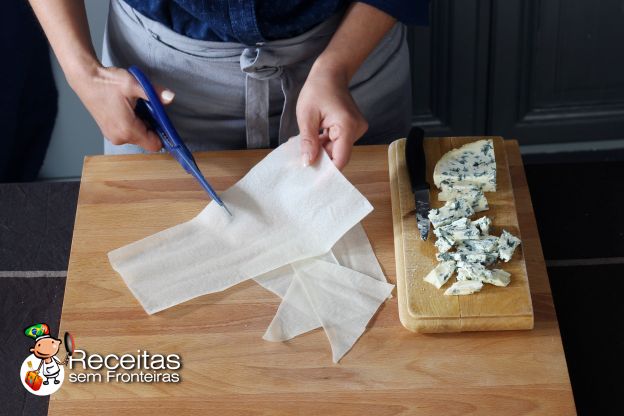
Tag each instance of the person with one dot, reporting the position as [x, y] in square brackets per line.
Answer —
[244, 74]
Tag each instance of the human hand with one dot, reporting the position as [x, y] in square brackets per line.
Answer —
[110, 95]
[328, 116]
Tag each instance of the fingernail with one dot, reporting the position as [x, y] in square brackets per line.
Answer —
[167, 95]
[305, 159]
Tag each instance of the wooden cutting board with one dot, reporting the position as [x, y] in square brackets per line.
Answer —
[229, 370]
[422, 307]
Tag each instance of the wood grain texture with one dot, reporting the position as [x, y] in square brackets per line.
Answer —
[427, 309]
[229, 370]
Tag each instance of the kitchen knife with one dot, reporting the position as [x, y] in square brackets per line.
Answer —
[417, 168]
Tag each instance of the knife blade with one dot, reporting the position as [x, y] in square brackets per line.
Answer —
[417, 169]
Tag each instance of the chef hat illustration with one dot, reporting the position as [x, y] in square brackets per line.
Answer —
[37, 331]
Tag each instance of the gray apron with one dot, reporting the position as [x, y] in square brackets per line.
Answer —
[233, 96]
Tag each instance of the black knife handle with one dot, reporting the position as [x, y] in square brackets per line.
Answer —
[415, 159]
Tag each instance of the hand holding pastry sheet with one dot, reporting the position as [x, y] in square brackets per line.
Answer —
[295, 230]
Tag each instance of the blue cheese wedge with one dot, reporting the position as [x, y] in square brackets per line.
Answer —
[470, 193]
[464, 287]
[451, 211]
[483, 224]
[471, 164]
[447, 191]
[507, 244]
[498, 277]
[440, 274]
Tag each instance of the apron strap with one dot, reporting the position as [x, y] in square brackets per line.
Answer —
[259, 67]
[257, 112]
[289, 61]
[292, 82]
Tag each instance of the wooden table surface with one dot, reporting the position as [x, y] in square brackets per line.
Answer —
[229, 370]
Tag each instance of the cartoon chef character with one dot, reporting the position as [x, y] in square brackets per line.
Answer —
[45, 348]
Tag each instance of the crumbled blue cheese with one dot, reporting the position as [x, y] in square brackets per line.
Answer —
[463, 175]
[483, 224]
[490, 259]
[487, 244]
[471, 193]
[443, 244]
[507, 244]
[440, 274]
[445, 256]
[451, 211]
[472, 271]
[458, 230]
[466, 257]
[464, 287]
[498, 277]
[472, 164]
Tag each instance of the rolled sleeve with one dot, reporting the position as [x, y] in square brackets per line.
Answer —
[412, 12]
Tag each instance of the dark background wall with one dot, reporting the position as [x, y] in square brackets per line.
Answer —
[541, 71]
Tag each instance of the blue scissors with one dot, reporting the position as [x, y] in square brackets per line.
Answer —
[153, 113]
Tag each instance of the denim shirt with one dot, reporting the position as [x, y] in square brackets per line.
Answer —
[253, 21]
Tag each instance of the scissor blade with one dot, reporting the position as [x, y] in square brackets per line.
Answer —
[226, 209]
[422, 212]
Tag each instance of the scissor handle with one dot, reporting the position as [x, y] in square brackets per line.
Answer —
[143, 110]
[153, 112]
[155, 107]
